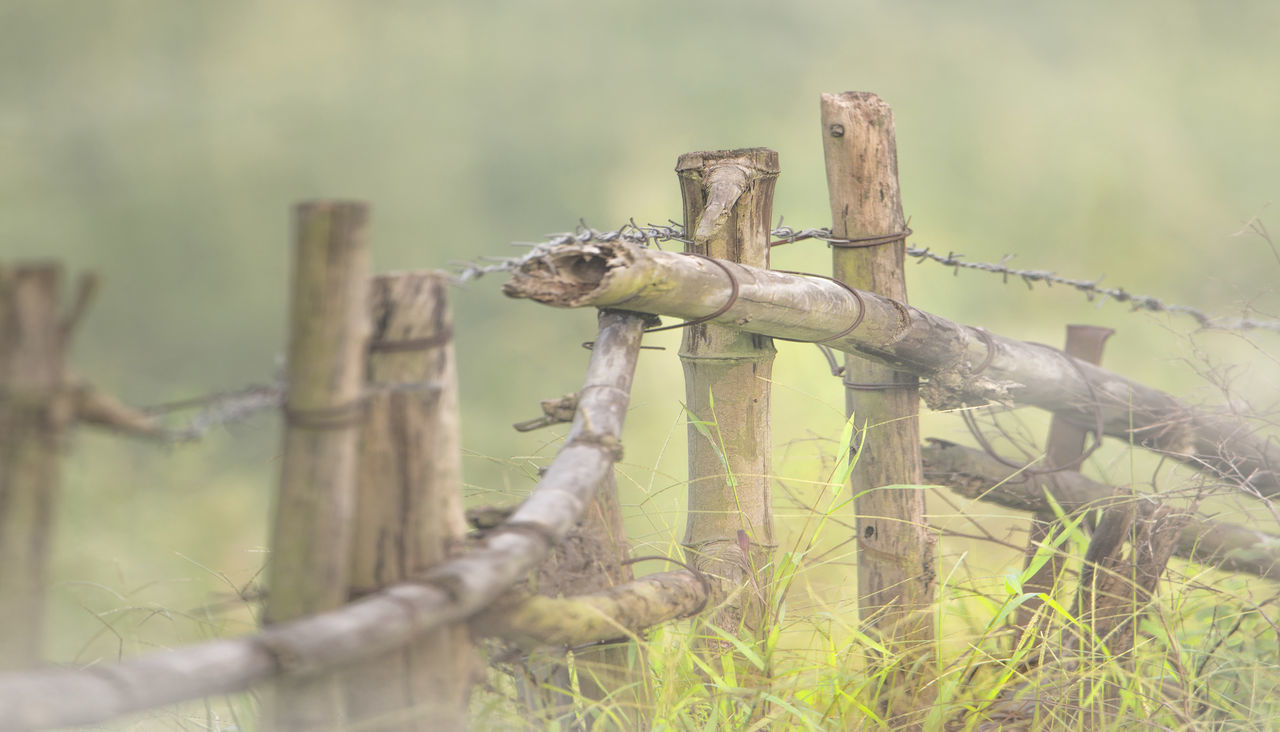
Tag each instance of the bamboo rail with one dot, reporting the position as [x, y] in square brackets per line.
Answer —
[963, 365]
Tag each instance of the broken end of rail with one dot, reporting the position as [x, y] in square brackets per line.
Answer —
[570, 275]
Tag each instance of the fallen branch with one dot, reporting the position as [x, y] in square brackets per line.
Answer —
[974, 474]
[449, 593]
[963, 365]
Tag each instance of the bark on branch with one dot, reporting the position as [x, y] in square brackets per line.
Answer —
[963, 365]
[449, 593]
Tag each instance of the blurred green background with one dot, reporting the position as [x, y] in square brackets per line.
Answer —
[161, 145]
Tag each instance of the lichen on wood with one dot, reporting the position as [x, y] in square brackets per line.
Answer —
[617, 613]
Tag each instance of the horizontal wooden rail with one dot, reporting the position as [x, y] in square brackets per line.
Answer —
[963, 365]
[975, 474]
[616, 613]
[451, 592]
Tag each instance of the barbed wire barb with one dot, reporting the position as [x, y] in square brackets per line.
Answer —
[654, 234]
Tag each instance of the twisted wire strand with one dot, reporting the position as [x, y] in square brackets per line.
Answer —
[654, 234]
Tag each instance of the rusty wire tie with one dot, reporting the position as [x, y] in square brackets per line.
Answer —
[413, 344]
[836, 369]
[869, 241]
[991, 351]
[833, 241]
[337, 417]
[733, 298]
[862, 307]
[855, 386]
[591, 345]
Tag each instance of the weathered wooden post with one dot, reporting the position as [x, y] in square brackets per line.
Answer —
[36, 408]
[1063, 451]
[896, 553]
[328, 331]
[409, 503]
[728, 197]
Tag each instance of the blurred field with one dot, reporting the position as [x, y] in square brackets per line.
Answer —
[161, 145]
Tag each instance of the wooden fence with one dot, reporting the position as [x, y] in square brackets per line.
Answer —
[376, 591]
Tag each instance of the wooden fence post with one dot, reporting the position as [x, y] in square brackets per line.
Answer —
[896, 553]
[728, 197]
[409, 503]
[1063, 448]
[35, 411]
[328, 330]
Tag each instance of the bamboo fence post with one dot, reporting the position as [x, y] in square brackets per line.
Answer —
[36, 409]
[1064, 447]
[409, 514]
[896, 553]
[328, 330]
[728, 198]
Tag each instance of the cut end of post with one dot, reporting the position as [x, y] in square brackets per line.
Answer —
[714, 181]
[570, 276]
[859, 98]
[755, 158]
[336, 205]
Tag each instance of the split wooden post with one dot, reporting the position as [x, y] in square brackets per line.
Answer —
[36, 409]
[409, 514]
[1063, 449]
[328, 331]
[728, 199]
[896, 552]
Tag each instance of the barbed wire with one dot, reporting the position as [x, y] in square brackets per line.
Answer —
[653, 234]
[237, 405]
[221, 408]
